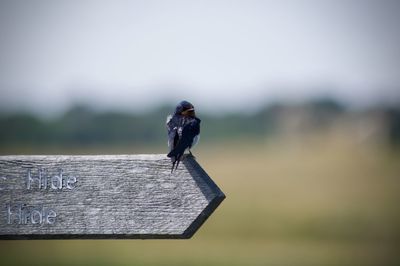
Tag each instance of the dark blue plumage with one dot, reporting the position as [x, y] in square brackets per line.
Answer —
[183, 131]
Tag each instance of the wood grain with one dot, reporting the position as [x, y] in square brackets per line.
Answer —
[105, 196]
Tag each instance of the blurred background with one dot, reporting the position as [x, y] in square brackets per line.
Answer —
[299, 102]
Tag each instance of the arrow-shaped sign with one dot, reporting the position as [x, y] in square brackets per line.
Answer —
[121, 196]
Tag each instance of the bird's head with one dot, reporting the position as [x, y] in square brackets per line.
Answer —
[185, 108]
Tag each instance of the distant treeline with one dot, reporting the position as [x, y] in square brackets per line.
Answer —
[83, 126]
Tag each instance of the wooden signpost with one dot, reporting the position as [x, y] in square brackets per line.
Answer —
[98, 197]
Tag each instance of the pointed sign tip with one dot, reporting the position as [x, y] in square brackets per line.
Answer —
[104, 197]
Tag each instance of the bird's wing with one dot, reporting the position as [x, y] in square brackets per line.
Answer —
[172, 129]
[189, 131]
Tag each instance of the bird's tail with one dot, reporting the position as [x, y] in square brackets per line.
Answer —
[176, 152]
[175, 158]
[175, 162]
[173, 153]
[175, 165]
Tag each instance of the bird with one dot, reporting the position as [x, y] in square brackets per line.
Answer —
[183, 132]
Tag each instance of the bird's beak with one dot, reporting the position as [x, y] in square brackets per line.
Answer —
[188, 111]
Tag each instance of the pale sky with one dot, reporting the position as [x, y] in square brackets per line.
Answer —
[221, 55]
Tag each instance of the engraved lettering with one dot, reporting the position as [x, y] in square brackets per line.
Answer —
[13, 215]
[21, 214]
[26, 215]
[71, 182]
[36, 216]
[51, 217]
[56, 181]
[31, 179]
[43, 180]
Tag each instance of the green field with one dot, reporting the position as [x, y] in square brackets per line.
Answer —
[314, 201]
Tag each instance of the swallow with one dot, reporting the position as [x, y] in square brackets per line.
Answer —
[183, 132]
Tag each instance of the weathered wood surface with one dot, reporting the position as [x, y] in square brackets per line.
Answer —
[121, 196]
